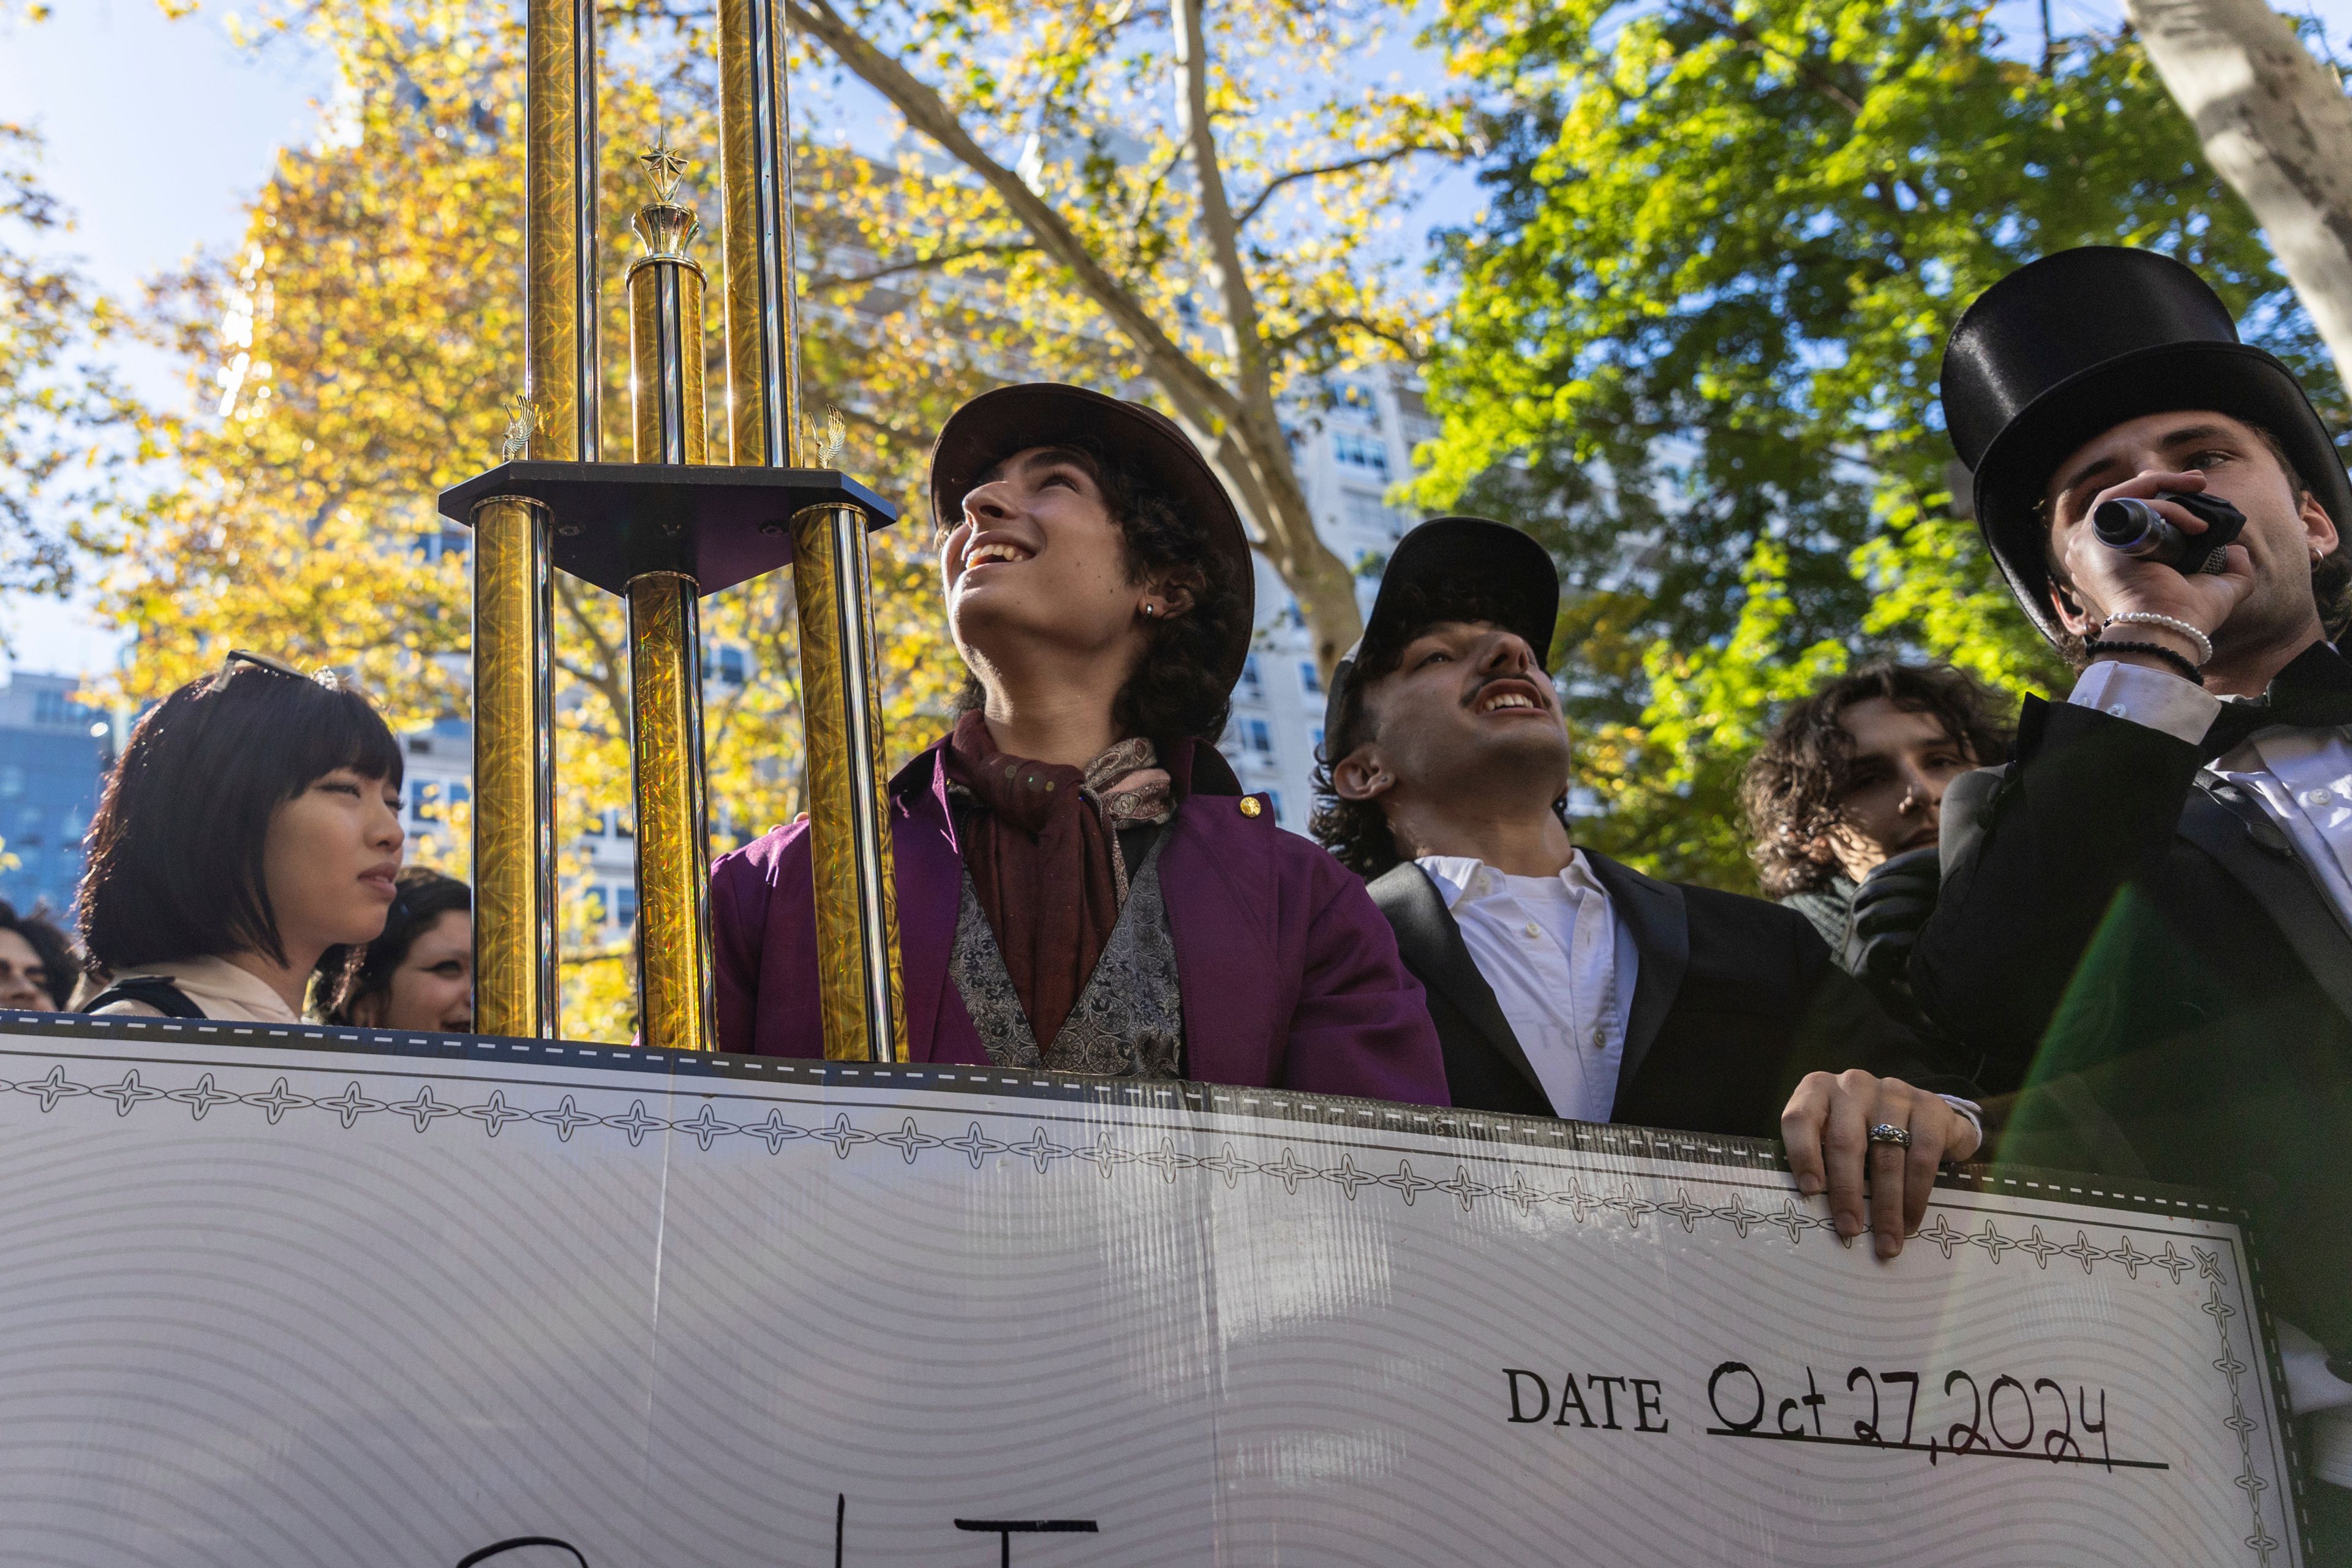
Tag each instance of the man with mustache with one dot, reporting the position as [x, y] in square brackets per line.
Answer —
[2145, 921]
[1562, 983]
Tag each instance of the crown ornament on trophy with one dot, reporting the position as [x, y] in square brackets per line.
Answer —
[661, 531]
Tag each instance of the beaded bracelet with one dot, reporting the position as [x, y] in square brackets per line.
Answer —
[2179, 662]
[2171, 624]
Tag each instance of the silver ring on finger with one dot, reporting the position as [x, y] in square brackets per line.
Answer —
[1894, 1137]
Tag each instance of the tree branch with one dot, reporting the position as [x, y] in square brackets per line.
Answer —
[608, 657]
[1813, 78]
[919, 264]
[1327, 321]
[1346, 165]
[1226, 275]
[1196, 393]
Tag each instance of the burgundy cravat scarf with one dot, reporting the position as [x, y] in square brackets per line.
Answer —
[1042, 852]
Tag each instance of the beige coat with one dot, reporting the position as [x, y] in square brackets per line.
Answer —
[219, 987]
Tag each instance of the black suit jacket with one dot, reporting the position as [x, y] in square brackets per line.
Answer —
[2154, 981]
[1735, 1000]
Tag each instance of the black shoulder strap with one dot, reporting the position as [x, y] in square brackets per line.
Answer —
[154, 991]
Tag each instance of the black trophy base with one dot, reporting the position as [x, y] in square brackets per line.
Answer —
[719, 525]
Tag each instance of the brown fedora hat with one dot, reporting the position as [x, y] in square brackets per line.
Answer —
[1009, 419]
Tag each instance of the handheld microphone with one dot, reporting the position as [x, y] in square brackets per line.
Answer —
[2137, 528]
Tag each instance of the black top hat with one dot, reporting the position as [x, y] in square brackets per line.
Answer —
[1009, 419]
[1516, 572]
[2075, 344]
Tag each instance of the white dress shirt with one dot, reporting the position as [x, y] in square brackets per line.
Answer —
[2303, 779]
[1563, 964]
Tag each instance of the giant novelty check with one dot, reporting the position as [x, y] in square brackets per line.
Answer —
[304, 1297]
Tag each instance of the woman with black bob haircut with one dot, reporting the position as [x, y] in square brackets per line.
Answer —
[418, 974]
[252, 823]
[1082, 885]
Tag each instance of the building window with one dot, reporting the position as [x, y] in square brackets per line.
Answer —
[1368, 453]
[1316, 735]
[425, 800]
[1367, 514]
[54, 706]
[613, 905]
[442, 542]
[731, 665]
[1252, 689]
[1310, 678]
[1259, 739]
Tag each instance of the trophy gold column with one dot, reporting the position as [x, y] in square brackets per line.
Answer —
[673, 842]
[858, 969]
[516, 985]
[659, 533]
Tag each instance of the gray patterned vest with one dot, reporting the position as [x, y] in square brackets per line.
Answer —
[1128, 1021]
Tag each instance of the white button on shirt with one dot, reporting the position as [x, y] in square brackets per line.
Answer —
[1562, 966]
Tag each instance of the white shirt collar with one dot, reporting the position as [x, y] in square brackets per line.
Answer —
[1463, 876]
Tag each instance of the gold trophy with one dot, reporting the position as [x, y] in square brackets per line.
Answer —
[661, 531]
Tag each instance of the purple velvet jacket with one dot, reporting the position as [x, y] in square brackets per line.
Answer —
[1290, 973]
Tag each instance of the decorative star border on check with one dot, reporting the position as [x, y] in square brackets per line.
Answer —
[1106, 1154]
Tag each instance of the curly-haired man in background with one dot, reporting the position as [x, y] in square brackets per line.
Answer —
[1844, 802]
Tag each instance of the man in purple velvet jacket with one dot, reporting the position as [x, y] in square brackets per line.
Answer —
[1083, 887]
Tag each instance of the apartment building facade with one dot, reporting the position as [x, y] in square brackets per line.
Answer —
[1352, 440]
[54, 750]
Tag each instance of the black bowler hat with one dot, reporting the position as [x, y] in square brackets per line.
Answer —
[2069, 346]
[1009, 419]
[1517, 573]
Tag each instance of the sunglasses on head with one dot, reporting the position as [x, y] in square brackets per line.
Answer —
[274, 666]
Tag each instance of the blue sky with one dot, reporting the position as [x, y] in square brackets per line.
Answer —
[158, 133]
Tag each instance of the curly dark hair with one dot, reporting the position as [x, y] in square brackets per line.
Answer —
[347, 973]
[1791, 788]
[1356, 832]
[50, 944]
[1174, 694]
[2331, 575]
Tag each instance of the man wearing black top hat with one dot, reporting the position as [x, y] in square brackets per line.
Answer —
[1565, 984]
[2145, 921]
